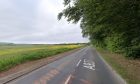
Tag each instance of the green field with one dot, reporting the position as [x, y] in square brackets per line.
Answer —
[12, 55]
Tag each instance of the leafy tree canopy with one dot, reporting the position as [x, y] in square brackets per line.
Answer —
[110, 24]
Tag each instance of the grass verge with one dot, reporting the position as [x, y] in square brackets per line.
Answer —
[10, 57]
[129, 69]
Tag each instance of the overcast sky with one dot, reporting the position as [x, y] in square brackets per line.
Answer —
[35, 21]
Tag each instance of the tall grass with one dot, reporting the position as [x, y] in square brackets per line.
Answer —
[10, 57]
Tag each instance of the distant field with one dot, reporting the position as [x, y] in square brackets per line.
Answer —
[11, 55]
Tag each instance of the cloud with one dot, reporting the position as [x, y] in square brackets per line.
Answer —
[14, 20]
[35, 21]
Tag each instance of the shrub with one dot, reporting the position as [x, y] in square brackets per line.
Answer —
[133, 52]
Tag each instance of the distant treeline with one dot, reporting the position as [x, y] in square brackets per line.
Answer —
[13, 44]
[110, 24]
[5, 43]
[71, 44]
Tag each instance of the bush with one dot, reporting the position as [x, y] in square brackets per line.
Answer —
[133, 52]
[115, 43]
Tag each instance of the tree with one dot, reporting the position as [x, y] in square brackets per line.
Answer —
[110, 24]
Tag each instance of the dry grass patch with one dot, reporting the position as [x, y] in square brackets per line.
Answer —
[129, 69]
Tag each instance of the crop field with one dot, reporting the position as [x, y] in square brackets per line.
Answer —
[11, 55]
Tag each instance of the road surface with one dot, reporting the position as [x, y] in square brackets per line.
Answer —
[82, 67]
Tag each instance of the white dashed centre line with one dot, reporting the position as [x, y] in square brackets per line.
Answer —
[78, 63]
[68, 79]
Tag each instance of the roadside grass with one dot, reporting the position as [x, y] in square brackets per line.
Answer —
[10, 57]
[129, 69]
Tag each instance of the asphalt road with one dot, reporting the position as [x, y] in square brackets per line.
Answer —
[82, 67]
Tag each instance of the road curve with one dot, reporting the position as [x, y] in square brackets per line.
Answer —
[82, 67]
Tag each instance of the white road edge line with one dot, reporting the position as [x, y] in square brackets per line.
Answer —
[78, 63]
[67, 81]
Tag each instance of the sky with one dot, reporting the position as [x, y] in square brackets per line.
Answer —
[35, 21]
